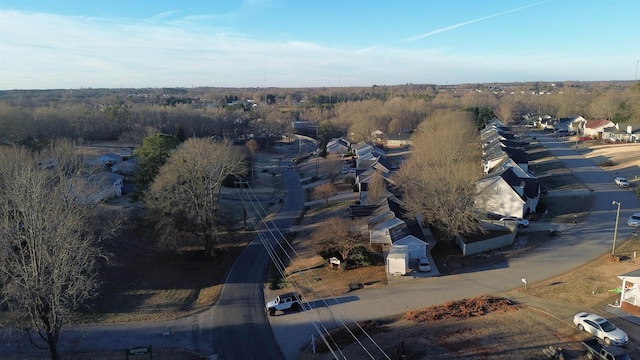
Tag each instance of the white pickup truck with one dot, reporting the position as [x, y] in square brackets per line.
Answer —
[288, 301]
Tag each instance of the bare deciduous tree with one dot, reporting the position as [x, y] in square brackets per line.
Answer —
[438, 180]
[253, 146]
[324, 191]
[183, 198]
[49, 244]
[376, 189]
[335, 235]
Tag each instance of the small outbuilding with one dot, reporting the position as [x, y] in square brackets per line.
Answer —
[397, 261]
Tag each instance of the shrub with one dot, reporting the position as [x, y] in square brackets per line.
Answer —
[361, 257]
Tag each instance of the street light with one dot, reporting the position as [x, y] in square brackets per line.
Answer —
[615, 231]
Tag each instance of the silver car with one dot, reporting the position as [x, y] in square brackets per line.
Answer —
[634, 220]
[600, 328]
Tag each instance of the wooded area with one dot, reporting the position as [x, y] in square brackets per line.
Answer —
[33, 117]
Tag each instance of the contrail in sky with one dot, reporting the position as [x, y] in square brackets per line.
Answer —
[417, 37]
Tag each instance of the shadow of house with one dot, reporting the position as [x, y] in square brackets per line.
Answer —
[98, 187]
[494, 237]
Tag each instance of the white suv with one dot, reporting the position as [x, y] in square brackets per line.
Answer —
[620, 181]
[288, 301]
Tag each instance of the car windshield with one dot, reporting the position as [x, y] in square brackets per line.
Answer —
[607, 326]
[635, 217]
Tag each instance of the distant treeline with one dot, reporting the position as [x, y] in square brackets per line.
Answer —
[90, 115]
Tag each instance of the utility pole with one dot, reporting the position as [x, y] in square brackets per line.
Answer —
[615, 231]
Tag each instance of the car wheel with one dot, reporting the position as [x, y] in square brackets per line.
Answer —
[590, 355]
[580, 327]
[295, 307]
[607, 341]
[272, 312]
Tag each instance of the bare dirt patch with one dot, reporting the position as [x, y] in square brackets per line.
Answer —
[476, 328]
[623, 159]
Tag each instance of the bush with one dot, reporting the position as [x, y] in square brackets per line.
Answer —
[361, 257]
[349, 180]
[607, 163]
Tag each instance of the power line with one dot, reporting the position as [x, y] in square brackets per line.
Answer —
[281, 269]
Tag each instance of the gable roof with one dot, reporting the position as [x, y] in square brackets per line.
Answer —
[597, 123]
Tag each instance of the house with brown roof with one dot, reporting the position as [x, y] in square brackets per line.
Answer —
[595, 127]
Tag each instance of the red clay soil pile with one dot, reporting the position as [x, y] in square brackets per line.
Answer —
[462, 309]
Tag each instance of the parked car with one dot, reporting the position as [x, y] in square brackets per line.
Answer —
[595, 350]
[620, 181]
[424, 265]
[493, 216]
[600, 328]
[634, 220]
[522, 223]
[288, 301]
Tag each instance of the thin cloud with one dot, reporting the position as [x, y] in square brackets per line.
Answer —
[163, 15]
[438, 31]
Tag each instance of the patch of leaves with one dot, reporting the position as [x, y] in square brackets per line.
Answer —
[462, 309]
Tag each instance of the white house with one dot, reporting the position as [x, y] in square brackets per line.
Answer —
[595, 127]
[338, 146]
[630, 292]
[416, 247]
[497, 196]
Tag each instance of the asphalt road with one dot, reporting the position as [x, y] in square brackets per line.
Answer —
[241, 329]
[582, 243]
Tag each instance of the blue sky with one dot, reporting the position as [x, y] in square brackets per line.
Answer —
[48, 44]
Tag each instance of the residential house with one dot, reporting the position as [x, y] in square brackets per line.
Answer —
[577, 124]
[99, 187]
[545, 123]
[630, 292]
[105, 160]
[339, 146]
[622, 132]
[398, 141]
[417, 248]
[388, 232]
[506, 193]
[595, 127]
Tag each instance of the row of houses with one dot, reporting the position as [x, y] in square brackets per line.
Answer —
[594, 128]
[507, 189]
[386, 231]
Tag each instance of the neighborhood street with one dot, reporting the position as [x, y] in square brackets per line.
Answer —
[582, 243]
